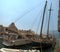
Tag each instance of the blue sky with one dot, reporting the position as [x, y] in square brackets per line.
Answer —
[10, 10]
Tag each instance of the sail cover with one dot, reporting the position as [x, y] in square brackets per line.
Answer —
[59, 18]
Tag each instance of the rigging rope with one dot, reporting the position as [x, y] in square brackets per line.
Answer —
[52, 25]
[35, 20]
[39, 23]
[26, 13]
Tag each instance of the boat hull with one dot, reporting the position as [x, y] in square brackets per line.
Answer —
[16, 42]
[32, 45]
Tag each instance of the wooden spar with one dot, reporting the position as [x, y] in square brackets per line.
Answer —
[49, 19]
[43, 19]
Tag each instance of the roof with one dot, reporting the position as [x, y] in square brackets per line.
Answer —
[13, 27]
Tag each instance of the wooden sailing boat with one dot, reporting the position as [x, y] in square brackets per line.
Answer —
[43, 41]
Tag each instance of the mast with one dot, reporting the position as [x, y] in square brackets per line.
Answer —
[43, 19]
[49, 19]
